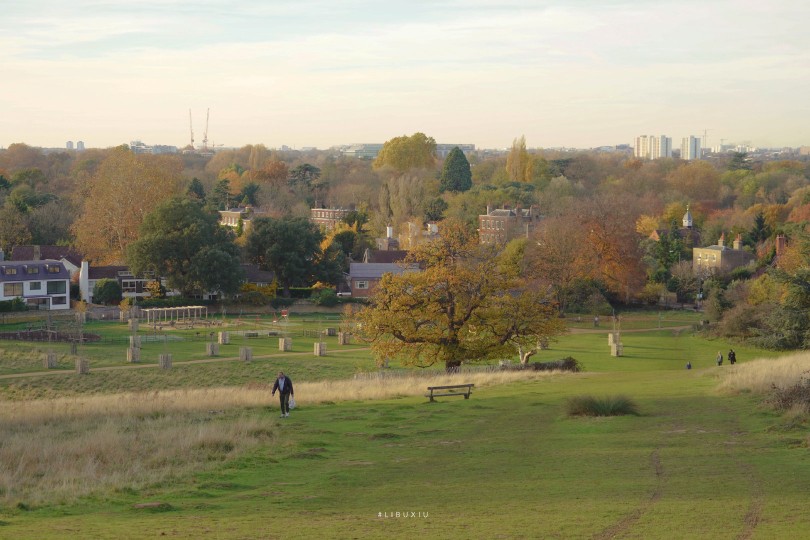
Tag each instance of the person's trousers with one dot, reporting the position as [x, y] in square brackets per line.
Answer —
[285, 402]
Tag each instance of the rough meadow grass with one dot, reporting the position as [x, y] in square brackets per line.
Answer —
[56, 450]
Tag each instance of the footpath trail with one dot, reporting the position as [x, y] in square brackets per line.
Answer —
[180, 363]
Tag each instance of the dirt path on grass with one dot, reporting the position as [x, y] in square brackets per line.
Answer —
[626, 523]
[676, 329]
[183, 363]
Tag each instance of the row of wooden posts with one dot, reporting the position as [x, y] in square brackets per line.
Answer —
[211, 349]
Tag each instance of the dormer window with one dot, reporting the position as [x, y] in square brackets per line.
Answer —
[9, 271]
[52, 269]
[32, 269]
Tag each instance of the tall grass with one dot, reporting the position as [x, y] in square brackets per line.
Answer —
[601, 406]
[762, 375]
[54, 450]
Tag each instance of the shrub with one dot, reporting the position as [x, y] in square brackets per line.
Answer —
[566, 364]
[15, 304]
[606, 406]
[107, 291]
[797, 395]
[325, 297]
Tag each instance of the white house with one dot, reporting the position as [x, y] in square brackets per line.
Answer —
[40, 284]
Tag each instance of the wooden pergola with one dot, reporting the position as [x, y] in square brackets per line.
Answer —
[180, 314]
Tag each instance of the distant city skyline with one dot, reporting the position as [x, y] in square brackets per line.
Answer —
[312, 73]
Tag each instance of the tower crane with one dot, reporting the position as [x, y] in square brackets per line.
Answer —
[191, 129]
[205, 133]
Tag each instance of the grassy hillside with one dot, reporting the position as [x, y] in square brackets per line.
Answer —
[697, 462]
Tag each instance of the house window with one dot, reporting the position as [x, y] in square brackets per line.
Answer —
[53, 269]
[35, 285]
[361, 284]
[57, 287]
[32, 270]
[59, 300]
[9, 271]
[12, 289]
[129, 286]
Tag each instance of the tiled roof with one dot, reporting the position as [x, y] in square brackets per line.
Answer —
[376, 270]
[255, 275]
[383, 256]
[21, 268]
[108, 272]
[26, 253]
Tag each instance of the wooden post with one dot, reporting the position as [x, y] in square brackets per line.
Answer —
[165, 361]
[612, 338]
[344, 338]
[133, 355]
[330, 332]
[133, 325]
[135, 342]
[82, 366]
[320, 348]
[616, 349]
[212, 349]
[285, 344]
[245, 354]
[74, 347]
[50, 360]
[224, 338]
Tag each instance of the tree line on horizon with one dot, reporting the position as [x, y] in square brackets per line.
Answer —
[598, 211]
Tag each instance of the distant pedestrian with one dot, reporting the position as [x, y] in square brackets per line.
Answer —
[732, 357]
[284, 386]
[719, 358]
[688, 365]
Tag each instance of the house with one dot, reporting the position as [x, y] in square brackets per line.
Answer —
[328, 218]
[364, 277]
[720, 258]
[256, 276]
[131, 286]
[501, 225]
[232, 217]
[136, 286]
[41, 284]
[64, 254]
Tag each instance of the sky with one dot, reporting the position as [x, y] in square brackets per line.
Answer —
[573, 73]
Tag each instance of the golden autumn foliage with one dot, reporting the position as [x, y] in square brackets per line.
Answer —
[124, 188]
[465, 305]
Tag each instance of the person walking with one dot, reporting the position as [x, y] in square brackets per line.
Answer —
[719, 358]
[732, 357]
[284, 386]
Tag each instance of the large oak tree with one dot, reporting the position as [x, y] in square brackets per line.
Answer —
[466, 305]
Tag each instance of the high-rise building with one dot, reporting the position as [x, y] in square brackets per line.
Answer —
[80, 146]
[652, 147]
[690, 147]
[69, 145]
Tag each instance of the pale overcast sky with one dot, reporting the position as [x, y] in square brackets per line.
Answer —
[579, 73]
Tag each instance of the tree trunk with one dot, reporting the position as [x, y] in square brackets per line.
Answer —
[452, 366]
[525, 355]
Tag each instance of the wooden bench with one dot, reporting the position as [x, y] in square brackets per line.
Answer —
[450, 390]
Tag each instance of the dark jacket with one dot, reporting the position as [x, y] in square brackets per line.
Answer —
[288, 387]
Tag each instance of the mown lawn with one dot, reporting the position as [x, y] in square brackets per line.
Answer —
[506, 463]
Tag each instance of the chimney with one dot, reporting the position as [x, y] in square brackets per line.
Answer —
[738, 242]
[389, 231]
[37, 253]
[489, 209]
[2, 255]
[780, 244]
[722, 240]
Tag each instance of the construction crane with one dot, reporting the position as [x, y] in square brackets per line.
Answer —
[191, 129]
[205, 133]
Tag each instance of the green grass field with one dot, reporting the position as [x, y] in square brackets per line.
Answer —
[507, 463]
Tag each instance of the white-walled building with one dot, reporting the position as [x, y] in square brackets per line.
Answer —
[652, 147]
[40, 284]
[690, 148]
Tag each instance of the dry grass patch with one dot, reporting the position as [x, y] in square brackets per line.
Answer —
[762, 375]
[54, 450]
